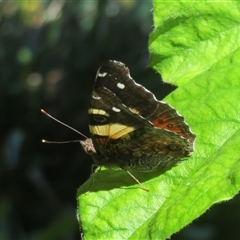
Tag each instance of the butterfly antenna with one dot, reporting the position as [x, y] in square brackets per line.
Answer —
[46, 141]
[64, 124]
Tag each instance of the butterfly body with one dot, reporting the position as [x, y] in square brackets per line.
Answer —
[130, 128]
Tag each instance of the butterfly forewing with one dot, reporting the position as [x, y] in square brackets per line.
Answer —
[130, 127]
[115, 76]
[110, 119]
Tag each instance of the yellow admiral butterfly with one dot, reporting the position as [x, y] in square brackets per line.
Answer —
[130, 128]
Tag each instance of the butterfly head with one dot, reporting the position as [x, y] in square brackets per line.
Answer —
[88, 147]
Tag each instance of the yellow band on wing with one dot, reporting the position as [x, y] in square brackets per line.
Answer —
[114, 131]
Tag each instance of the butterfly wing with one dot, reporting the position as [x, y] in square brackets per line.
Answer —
[148, 149]
[116, 77]
[130, 128]
[110, 120]
[125, 139]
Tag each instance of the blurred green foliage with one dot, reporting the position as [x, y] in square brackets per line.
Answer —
[49, 54]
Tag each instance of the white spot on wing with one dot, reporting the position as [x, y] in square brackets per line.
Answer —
[98, 111]
[102, 74]
[121, 85]
[116, 109]
[96, 97]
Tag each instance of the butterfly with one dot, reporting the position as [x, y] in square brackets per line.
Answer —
[130, 128]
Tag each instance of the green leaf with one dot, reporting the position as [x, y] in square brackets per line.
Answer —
[195, 45]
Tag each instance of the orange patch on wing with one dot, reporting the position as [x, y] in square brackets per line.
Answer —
[172, 126]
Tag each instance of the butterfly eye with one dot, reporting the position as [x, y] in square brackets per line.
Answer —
[99, 118]
[174, 147]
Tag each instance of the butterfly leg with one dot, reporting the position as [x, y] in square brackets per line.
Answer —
[92, 176]
[144, 188]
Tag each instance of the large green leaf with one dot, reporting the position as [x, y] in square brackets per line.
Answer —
[195, 45]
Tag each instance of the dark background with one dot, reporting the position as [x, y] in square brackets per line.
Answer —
[49, 54]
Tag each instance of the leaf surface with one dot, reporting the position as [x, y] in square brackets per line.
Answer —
[194, 45]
